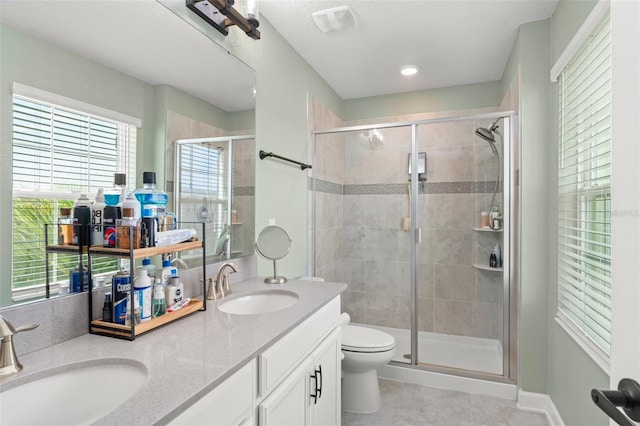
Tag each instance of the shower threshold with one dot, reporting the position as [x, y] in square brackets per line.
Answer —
[461, 352]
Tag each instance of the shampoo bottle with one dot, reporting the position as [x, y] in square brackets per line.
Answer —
[142, 286]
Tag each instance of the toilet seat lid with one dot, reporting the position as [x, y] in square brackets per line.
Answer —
[365, 339]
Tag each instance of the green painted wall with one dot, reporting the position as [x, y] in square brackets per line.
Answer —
[551, 362]
[283, 82]
[469, 96]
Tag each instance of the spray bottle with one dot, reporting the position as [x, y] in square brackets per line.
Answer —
[97, 214]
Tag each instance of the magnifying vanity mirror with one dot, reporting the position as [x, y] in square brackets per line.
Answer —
[273, 243]
[146, 60]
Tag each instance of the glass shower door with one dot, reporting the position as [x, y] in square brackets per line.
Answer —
[459, 300]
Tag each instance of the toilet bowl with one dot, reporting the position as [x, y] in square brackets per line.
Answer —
[364, 349]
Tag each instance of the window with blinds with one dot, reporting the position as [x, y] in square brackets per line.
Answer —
[203, 187]
[584, 188]
[59, 153]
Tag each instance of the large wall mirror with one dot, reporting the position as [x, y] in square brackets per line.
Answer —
[140, 59]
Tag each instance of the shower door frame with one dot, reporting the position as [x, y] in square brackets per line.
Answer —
[511, 231]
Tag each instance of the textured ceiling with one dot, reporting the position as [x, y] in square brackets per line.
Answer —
[454, 42]
[143, 39]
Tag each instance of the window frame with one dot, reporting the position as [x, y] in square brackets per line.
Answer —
[126, 128]
[603, 192]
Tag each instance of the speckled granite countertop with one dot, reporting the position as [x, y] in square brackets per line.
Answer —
[185, 359]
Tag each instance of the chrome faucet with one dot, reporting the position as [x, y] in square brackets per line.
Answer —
[9, 363]
[220, 287]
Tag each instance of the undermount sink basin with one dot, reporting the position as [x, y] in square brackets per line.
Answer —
[259, 302]
[78, 394]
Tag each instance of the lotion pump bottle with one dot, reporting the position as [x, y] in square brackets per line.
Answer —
[173, 292]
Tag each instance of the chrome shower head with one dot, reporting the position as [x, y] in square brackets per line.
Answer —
[487, 135]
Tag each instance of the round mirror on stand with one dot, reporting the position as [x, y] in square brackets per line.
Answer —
[273, 243]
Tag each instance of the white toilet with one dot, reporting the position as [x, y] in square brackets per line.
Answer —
[364, 349]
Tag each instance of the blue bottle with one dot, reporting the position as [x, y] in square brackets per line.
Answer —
[153, 203]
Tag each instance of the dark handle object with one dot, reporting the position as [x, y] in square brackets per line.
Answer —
[627, 396]
[317, 392]
[319, 371]
[264, 155]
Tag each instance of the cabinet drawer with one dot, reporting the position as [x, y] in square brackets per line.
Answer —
[279, 360]
[230, 403]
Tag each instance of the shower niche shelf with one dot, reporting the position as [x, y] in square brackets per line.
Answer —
[487, 230]
[487, 268]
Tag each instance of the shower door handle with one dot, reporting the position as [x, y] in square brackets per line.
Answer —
[418, 235]
[627, 396]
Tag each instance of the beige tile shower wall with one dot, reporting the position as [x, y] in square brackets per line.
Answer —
[243, 200]
[453, 296]
[326, 203]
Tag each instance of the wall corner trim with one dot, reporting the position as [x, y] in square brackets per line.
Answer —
[599, 11]
[540, 403]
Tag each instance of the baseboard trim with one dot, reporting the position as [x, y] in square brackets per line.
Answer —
[447, 381]
[540, 403]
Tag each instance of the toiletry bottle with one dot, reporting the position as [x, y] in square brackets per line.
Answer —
[81, 221]
[97, 214]
[173, 292]
[127, 316]
[65, 226]
[167, 270]
[153, 203]
[107, 309]
[159, 306]
[493, 217]
[150, 267]
[495, 258]
[78, 282]
[493, 262]
[133, 203]
[126, 226]
[142, 287]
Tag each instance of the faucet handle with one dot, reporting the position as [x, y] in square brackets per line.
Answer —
[7, 329]
[27, 327]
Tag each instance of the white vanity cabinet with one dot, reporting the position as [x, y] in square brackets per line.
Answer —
[310, 395]
[297, 383]
[230, 403]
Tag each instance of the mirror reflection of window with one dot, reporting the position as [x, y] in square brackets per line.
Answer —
[61, 149]
[203, 188]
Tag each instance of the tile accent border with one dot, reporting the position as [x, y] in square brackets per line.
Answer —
[401, 188]
[540, 403]
[244, 190]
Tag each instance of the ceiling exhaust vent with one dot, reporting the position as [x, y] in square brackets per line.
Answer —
[334, 19]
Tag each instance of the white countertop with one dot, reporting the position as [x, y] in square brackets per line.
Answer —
[184, 359]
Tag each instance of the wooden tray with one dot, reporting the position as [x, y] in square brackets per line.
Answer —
[109, 328]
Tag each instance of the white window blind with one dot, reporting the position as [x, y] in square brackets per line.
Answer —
[203, 187]
[58, 153]
[584, 188]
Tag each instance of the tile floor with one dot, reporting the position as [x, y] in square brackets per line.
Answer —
[409, 404]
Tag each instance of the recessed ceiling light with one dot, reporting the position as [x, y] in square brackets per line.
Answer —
[408, 70]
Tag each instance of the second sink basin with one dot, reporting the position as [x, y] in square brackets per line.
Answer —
[79, 394]
[259, 302]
